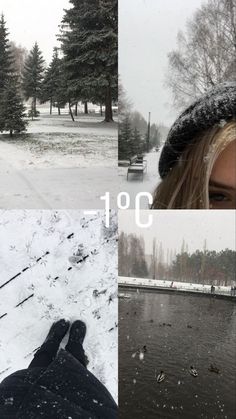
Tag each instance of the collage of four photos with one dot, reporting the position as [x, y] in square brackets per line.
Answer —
[117, 209]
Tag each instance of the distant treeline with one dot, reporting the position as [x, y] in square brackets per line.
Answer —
[202, 266]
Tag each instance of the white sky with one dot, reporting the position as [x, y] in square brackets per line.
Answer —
[147, 32]
[29, 21]
[194, 226]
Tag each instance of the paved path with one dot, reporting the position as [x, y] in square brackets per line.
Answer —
[70, 188]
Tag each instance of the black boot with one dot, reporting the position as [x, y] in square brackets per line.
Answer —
[75, 342]
[48, 351]
[57, 331]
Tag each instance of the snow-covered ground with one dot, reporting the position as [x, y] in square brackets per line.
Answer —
[58, 264]
[135, 184]
[181, 286]
[59, 163]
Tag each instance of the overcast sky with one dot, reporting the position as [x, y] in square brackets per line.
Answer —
[147, 32]
[29, 21]
[171, 227]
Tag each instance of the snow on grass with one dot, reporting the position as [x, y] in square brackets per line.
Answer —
[58, 142]
[59, 164]
[59, 150]
[58, 278]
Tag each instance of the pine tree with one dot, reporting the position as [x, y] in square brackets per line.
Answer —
[12, 109]
[136, 146]
[125, 134]
[90, 45]
[32, 77]
[11, 106]
[53, 83]
[5, 54]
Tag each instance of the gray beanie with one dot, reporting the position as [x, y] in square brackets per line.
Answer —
[216, 105]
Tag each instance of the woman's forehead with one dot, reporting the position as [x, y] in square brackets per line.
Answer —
[224, 169]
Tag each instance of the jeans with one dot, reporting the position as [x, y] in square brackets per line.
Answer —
[48, 352]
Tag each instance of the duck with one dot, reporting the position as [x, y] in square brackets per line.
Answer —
[213, 368]
[161, 377]
[193, 371]
[141, 354]
[144, 348]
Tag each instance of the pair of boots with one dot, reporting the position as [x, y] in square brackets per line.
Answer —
[48, 351]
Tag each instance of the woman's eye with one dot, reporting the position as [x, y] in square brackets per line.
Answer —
[217, 196]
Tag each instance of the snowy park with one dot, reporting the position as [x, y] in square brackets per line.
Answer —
[59, 163]
[136, 183]
[58, 264]
[58, 105]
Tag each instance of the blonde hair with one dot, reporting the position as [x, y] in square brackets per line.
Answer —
[186, 186]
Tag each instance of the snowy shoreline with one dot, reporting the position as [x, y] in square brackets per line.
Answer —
[174, 286]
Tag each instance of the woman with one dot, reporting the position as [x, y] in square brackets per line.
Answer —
[57, 385]
[198, 161]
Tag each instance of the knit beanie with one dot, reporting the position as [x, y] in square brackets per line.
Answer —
[216, 106]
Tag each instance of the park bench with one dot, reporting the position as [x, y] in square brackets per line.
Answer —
[138, 165]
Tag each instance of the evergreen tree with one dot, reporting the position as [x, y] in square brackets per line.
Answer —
[139, 122]
[53, 84]
[125, 133]
[12, 112]
[90, 45]
[137, 260]
[32, 77]
[5, 54]
[136, 145]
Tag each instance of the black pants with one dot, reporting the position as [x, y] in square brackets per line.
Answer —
[48, 352]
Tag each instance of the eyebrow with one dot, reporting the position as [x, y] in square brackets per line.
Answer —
[221, 185]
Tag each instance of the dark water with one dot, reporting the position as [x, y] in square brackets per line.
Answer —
[210, 339]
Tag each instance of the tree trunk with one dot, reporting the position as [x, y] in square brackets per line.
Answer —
[76, 109]
[59, 110]
[11, 133]
[108, 105]
[50, 106]
[86, 108]
[101, 113]
[34, 107]
[71, 113]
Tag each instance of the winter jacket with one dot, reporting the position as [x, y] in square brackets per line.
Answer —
[65, 390]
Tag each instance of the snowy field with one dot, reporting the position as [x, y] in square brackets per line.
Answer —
[58, 264]
[181, 286]
[135, 184]
[59, 163]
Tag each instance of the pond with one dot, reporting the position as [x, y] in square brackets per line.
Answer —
[179, 332]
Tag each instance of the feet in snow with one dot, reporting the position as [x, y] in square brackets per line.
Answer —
[57, 331]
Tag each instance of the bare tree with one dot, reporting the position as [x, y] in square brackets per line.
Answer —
[19, 55]
[206, 52]
[154, 258]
